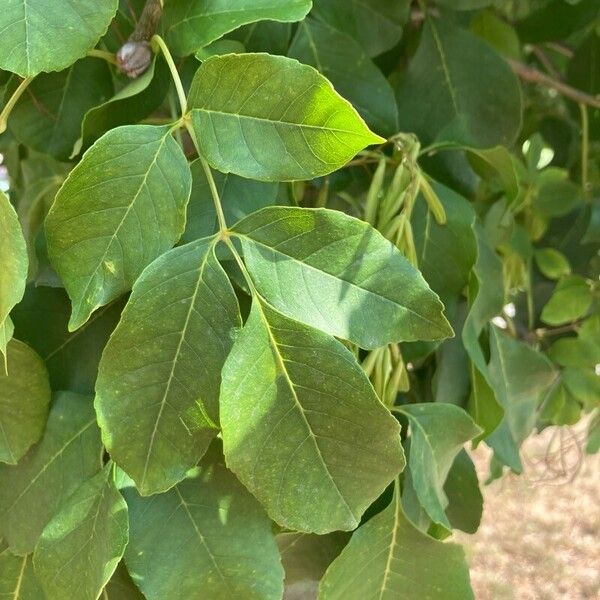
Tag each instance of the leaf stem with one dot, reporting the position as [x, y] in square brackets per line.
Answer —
[109, 57]
[159, 43]
[223, 229]
[585, 146]
[11, 103]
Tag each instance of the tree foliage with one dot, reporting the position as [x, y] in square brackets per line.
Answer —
[256, 301]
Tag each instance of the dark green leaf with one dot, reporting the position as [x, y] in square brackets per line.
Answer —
[374, 24]
[478, 100]
[121, 207]
[158, 386]
[131, 104]
[447, 252]
[519, 375]
[67, 455]
[81, 546]
[48, 117]
[465, 502]
[193, 24]
[272, 118]
[205, 537]
[302, 425]
[389, 558]
[71, 358]
[438, 433]
[305, 558]
[367, 291]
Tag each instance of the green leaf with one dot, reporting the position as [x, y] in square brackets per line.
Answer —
[496, 162]
[273, 119]
[193, 24]
[48, 117]
[519, 375]
[497, 33]
[17, 579]
[571, 299]
[71, 358]
[121, 207]
[464, 4]
[305, 558]
[465, 501]
[477, 96]
[50, 35]
[584, 384]
[68, 454]
[556, 198]
[552, 263]
[486, 298]
[447, 252]
[205, 536]
[344, 62]
[13, 274]
[24, 399]
[340, 275]
[375, 24]
[239, 197]
[301, 422]
[131, 104]
[121, 586]
[574, 352]
[81, 546]
[593, 441]
[158, 387]
[389, 558]
[438, 433]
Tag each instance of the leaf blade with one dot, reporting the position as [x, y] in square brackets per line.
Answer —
[158, 385]
[114, 241]
[284, 385]
[307, 131]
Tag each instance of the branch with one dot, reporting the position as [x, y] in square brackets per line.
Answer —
[534, 76]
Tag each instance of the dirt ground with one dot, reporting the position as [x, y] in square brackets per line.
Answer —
[540, 534]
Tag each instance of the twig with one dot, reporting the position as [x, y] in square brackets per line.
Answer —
[534, 76]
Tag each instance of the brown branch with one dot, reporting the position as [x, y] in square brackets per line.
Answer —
[534, 76]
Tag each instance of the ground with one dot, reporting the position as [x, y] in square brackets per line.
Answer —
[540, 534]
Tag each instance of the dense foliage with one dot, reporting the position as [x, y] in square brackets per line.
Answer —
[267, 267]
